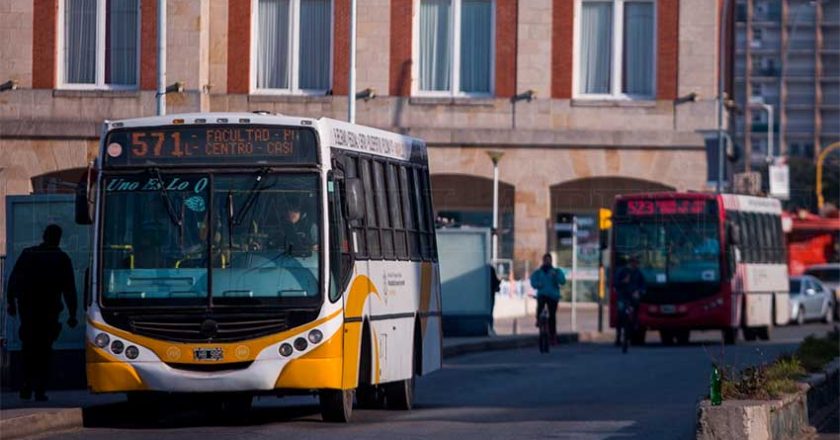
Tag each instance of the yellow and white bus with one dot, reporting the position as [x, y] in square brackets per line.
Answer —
[242, 254]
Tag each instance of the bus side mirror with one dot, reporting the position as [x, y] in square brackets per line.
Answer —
[83, 201]
[354, 198]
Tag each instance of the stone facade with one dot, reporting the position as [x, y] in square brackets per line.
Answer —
[547, 140]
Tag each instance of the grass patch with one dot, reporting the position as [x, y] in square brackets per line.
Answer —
[770, 381]
[764, 381]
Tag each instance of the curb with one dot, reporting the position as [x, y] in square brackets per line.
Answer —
[42, 422]
[502, 343]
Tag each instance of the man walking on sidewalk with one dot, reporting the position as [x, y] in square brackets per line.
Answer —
[41, 276]
[547, 281]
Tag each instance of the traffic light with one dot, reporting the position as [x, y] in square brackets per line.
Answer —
[604, 219]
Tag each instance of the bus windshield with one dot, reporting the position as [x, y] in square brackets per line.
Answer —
[671, 249]
[168, 237]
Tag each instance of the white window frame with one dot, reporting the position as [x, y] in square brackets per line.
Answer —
[455, 74]
[294, 52]
[617, 53]
[101, 28]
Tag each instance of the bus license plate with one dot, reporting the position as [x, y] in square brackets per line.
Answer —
[668, 309]
[208, 354]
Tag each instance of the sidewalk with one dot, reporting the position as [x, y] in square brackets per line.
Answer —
[64, 410]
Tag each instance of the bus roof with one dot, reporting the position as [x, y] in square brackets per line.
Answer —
[332, 133]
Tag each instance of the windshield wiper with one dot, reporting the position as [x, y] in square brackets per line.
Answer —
[255, 191]
[170, 208]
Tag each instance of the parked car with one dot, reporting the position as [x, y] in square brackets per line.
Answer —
[829, 274]
[810, 300]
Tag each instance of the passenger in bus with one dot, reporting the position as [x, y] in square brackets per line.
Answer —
[630, 286]
[547, 281]
[39, 300]
[298, 233]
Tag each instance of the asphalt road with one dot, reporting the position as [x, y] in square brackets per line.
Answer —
[581, 391]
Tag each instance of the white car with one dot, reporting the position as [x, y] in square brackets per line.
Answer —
[810, 300]
[829, 275]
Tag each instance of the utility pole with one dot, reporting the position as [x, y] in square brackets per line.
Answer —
[351, 89]
[721, 72]
[574, 272]
[495, 156]
[161, 58]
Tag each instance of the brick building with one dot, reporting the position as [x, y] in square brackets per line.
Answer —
[606, 75]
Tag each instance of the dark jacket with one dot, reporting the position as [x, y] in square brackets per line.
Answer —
[627, 281]
[41, 276]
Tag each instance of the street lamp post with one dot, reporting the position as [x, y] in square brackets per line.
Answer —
[770, 122]
[161, 58]
[721, 64]
[495, 156]
[351, 86]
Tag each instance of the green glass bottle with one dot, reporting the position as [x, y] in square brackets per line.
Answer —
[714, 392]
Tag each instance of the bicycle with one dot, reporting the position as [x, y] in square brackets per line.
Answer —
[628, 327]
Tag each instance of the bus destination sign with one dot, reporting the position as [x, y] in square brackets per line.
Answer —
[665, 207]
[210, 145]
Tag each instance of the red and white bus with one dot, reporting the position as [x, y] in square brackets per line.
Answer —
[710, 262]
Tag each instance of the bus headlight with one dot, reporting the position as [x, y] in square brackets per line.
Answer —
[315, 336]
[285, 350]
[132, 352]
[300, 344]
[101, 340]
[117, 347]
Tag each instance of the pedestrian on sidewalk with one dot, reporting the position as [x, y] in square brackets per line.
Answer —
[495, 285]
[547, 281]
[39, 279]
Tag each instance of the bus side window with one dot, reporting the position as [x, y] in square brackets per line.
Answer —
[409, 213]
[381, 196]
[746, 237]
[422, 223]
[371, 231]
[780, 237]
[767, 227]
[396, 210]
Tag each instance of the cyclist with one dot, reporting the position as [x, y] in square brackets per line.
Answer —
[630, 286]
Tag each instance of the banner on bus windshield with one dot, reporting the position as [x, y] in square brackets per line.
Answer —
[210, 145]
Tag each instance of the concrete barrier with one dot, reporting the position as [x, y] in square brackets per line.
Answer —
[786, 418]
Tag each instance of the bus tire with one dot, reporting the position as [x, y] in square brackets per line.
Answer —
[730, 335]
[400, 395]
[683, 337]
[749, 333]
[336, 405]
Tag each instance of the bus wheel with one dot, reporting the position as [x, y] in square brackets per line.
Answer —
[749, 333]
[400, 395]
[336, 405]
[730, 335]
[683, 336]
